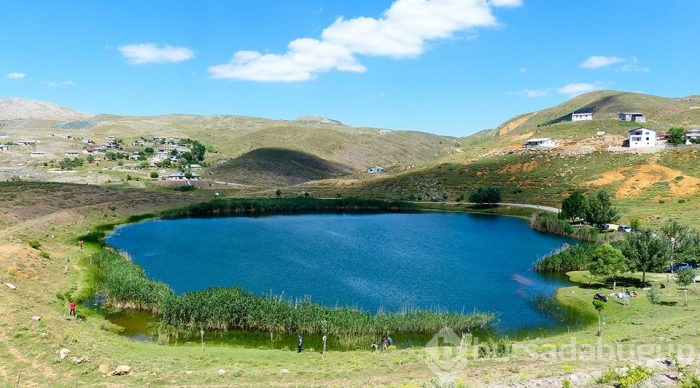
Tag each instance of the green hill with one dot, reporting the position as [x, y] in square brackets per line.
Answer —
[277, 167]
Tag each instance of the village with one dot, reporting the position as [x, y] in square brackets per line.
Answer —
[167, 158]
[638, 138]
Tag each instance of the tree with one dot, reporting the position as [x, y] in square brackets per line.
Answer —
[188, 175]
[90, 158]
[609, 262]
[676, 136]
[684, 242]
[574, 206]
[635, 224]
[488, 195]
[599, 307]
[154, 175]
[654, 297]
[684, 278]
[198, 150]
[600, 209]
[278, 193]
[645, 252]
[149, 151]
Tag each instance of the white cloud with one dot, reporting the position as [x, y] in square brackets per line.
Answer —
[532, 93]
[598, 61]
[139, 54]
[54, 84]
[16, 75]
[403, 31]
[633, 66]
[576, 89]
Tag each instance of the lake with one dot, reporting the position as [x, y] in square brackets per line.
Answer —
[433, 260]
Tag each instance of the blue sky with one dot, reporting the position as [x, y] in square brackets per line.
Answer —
[444, 66]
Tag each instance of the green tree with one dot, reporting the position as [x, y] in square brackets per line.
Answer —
[676, 136]
[654, 297]
[635, 224]
[278, 193]
[646, 252]
[198, 150]
[188, 175]
[574, 206]
[600, 209]
[684, 242]
[90, 158]
[154, 175]
[599, 306]
[488, 195]
[149, 151]
[608, 261]
[684, 278]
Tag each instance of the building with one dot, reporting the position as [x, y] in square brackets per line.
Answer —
[25, 142]
[581, 116]
[38, 154]
[634, 117]
[641, 138]
[72, 154]
[4, 147]
[181, 176]
[375, 170]
[540, 143]
[195, 167]
[692, 135]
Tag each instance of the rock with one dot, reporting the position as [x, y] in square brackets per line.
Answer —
[188, 373]
[36, 318]
[284, 371]
[221, 372]
[63, 353]
[104, 368]
[79, 360]
[120, 371]
[11, 286]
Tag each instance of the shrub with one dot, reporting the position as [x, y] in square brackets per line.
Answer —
[567, 258]
[154, 175]
[34, 244]
[45, 255]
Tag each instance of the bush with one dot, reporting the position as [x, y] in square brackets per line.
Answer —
[34, 244]
[154, 175]
[45, 255]
[487, 195]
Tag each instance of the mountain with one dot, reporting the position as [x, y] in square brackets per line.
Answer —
[19, 108]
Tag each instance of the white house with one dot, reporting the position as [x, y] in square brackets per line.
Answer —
[180, 176]
[4, 147]
[25, 142]
[537, 143]
[72, 154]
[375, 170]
[693, 134]
[38, 154]
[641, 138]
[635, 117]
[581, 116]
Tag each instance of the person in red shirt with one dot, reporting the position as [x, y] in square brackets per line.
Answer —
[72, 308]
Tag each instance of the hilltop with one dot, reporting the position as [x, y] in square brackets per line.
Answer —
[19, 109]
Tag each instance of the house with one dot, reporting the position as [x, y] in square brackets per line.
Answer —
[540, 143]
[641, 138]
[692, 135]
[4, 147]
[135, 156]
[139, 143]
[180, 176]
[72, 154]
[634, 117]
[38, 154]
[195, 167]
[25, 142]
[581, 116]
[375, 170]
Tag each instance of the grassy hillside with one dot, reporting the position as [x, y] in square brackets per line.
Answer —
[662, 114]
[277, 167]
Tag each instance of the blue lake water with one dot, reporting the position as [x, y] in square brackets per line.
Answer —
[454, 261]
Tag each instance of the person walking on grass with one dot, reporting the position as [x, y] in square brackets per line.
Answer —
[300, 343]
[80, 243]
[71, 305]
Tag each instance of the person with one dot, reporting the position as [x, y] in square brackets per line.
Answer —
[634, 293]
[300, 344]
[627, 292]
[390, 341]
[80, 243]
[385, 342]
[71, 305]
[324, 344]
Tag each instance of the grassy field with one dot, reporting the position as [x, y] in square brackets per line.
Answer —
[55, 214]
